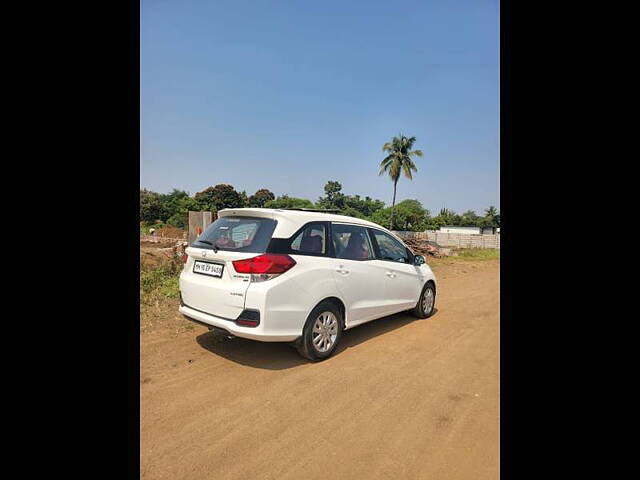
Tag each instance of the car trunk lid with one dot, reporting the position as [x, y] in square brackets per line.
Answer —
[221, 296]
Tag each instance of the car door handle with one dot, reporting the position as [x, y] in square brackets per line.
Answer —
[391, 275]
[342, 270]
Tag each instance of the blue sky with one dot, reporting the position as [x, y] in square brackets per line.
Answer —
[290, 94]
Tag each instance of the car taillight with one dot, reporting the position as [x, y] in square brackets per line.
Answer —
[249, 318]
[264, 267]
[185, 257]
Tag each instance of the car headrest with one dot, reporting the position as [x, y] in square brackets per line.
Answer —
[312, 244]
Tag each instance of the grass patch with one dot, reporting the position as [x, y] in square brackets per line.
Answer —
[465, 256]
[159, 294]
[160, 282]
[478, 254]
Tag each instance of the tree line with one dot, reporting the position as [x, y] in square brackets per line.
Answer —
[172, 209]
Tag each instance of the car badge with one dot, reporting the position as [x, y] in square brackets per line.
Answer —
[204, 253]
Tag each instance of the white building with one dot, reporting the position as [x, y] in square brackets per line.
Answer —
[464, 230]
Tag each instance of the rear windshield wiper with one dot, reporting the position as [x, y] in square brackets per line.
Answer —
[215, 247]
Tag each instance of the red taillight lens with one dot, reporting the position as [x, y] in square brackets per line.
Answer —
[268, 263]
[185, 257]
[247, 323]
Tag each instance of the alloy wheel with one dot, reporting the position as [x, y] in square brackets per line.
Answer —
[325, 331]
[427, 300]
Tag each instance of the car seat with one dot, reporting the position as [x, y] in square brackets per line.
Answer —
[312, 244]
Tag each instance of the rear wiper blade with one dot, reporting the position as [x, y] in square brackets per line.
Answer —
[215, 247]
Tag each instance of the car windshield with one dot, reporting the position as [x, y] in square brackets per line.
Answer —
[242, 234]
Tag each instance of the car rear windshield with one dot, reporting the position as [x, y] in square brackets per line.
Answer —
[238, 234]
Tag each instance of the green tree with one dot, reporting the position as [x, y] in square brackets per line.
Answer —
[244, 199]
[334, 198]
[446, 217]
[434, 223]
[492, 217]
[484, 222]
[286, 201]
[491, 211]
[151, 207]
[179, 220]
[414, 215]
[352, 212]
[408, 215]
[469, 219]
[261, 197]
[172, 203]
[366, 207]
[351, 205]
[219, 197]
[332, 189]
[399, 161]
[180, 208]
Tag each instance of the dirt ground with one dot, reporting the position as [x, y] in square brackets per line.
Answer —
[401, 398]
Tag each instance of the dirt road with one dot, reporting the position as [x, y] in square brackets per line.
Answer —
[401, 398]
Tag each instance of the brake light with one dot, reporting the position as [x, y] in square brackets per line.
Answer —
[185, 257]
[268, 264]
[247, 323]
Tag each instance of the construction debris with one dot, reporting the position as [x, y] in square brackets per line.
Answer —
[171, 232]
[426, 247]
[179, 249]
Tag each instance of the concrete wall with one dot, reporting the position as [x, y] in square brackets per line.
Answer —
[455, 239]
[198, 222]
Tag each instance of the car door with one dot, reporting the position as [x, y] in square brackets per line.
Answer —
[404, 280]
[359, 276]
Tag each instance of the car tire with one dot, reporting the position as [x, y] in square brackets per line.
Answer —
[322, 332]
[427, 302]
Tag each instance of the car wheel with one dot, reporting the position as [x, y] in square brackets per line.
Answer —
[322, 332]
[424, 308]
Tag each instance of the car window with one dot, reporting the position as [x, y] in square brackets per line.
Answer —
[311, 240]
[243, 234]
[390, 248]
[351, 242]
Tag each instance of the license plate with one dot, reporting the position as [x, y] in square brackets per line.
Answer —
[208, 268]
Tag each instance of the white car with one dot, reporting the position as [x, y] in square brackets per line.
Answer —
[300, 276]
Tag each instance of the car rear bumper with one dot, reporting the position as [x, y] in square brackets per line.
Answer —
[237, 330]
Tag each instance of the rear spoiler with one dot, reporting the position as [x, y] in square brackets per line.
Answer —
[317, 210]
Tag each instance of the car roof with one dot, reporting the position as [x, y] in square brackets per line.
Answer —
[290, 221]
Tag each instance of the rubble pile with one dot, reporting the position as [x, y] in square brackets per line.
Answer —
[179, 249]
[423, 247]
[171, 232]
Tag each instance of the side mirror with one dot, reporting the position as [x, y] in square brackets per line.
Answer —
[418, 260]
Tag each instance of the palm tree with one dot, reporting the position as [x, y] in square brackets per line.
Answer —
[399, 161]
[492, 215]
[491, 211]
